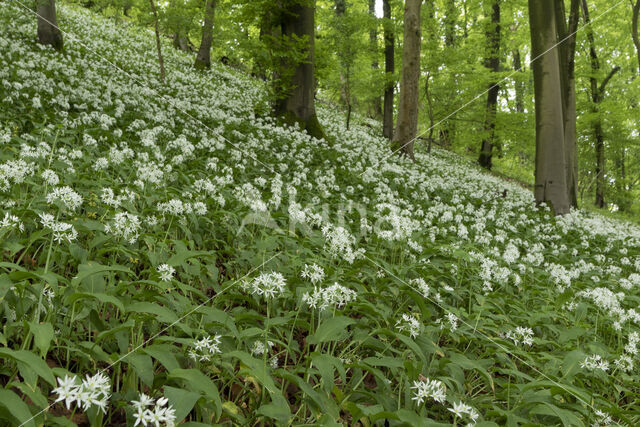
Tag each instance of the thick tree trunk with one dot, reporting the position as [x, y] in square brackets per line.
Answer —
[519, 84]
[158, 45]
[181, 42]
[389, 68]
[634, 30]
[492, 62]
[48, 31]
[407, 125]
[298, 106]
[550, 173]
[376, 103]
[203, 59]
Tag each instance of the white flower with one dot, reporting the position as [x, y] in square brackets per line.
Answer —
[161, 414]
[94, 391]
[429, 389]
[124, 225]
[410, 324]
[259, 348]
[593, 362]
[69, 198]
[313, 272]
[204, 348]
[166, 272]
[50, 177]
[336, 296]
[269, 285]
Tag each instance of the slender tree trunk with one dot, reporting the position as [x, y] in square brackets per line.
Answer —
[158, 45]
[48, 31]
[447, 134]
[298, 21]
[427, 93]
[407, 125]
[567, 50]
[376, 103]
[203, 59]
[519, 84]
[634, 30]
[492, 62]
[389, 68]
[597, 94]
[550, 173]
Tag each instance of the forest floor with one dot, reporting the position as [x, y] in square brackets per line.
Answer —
[174, 240]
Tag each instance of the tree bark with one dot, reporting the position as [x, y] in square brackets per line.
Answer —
[389, 68]
[181, 42]
[48, 31]
[298, 21]
[376, 103]
[407, 126]
[492, 62]
[634, 30]
[203, 59]
[519, 84]
[550, 173]
[158, 45]
[447, 134]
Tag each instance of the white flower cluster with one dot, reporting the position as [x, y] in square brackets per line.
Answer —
[410, 324]
[124, 225]
[61, 230]
[161, 414]
[593, 362]
[258, 348]
[50, 177]
[11, 221]
[429, 389]
[93, 391]
[520, 335]
[461, 410]
[14, 172]
[204, 348]
[450, 321]
[335, 296]
[314, 273]
[268, 285]
[339, 243]
[421, 286]
[166, 272]
[67, 196]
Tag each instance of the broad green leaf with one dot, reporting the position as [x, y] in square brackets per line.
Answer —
[103, 298]
[182, 401]
[143, 365]
[197, 381]
[162, 314]
[42, 336]
[29, 363]
[16, 408]
[92, 267]
[331, 329]
[163, 354]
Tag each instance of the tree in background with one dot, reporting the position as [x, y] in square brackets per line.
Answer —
[48, 31]
[389, 68]
[550, 175]
[492, 62]
[407, 126]
[203, 59]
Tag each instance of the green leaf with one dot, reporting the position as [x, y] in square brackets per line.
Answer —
[103, 298]
[163, 354]
[92, 267]
[277, 411]
[182, 401]
[29, 363]
[332, 329]
[143, 365]
[16, 407]
[571, 363]
[197, 381]
[161, 313]
[42, 336]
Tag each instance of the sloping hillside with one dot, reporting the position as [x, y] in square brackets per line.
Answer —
[176, 241]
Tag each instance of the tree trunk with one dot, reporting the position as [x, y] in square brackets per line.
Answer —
[492, 62]
[203, 59]
[376, 103]
[519, 84]
[158, 45]
[567, 50]
[389, 68]
[48, 31]
[550, 173]
[298, 21]
[447, 135]
[407, 125]
[634, 30]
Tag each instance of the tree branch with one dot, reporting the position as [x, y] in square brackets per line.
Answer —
[606, 80]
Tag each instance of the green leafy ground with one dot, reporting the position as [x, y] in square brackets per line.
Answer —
[175, 241]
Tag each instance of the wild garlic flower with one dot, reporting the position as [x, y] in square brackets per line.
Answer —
[61, 230]
[166, 272]
[204, 348]
[335, 296]
[420, 285]
[93, 391]
[429, 389]
[124, 225]
[269, 285]
[461, 409]
[339, 243]
[50, 177]
[449, 321]
[410, 324]
[624, 363]
[602, 419]
[67, 196]
[259, 347]
[520, 335]
[314, 273]
[161, 414]
[11, 221]
[593, 362]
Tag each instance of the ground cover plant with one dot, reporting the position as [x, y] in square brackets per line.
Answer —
[172, 254]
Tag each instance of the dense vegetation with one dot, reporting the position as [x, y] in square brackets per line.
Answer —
[192, 259]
